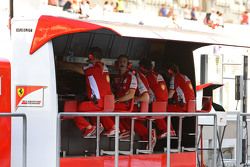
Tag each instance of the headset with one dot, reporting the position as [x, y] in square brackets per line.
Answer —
[95, 52]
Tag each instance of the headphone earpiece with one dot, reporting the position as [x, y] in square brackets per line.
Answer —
[130, 65]
[91, 56]
[116, 64]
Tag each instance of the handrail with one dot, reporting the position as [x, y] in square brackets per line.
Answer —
[239, 135]
[24, 132]
[117, 118]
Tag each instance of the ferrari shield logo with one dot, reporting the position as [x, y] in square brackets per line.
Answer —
[163, 87]
[20, 92]
[107, 78]
[190, 86]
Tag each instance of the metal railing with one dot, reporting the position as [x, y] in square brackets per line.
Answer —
[24, 164]
[239, 135]
[117, 119]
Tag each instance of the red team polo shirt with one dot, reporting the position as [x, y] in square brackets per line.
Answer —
[98, 84]
[183, 88]
[97, 80]
[158, 89]
[158, 92]
[142, 82]
[143, 87]
[124, 83]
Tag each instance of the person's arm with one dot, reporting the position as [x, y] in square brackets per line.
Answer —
[128, 96]
[171, 93]
[171, 88]
[76, 67]
[144, 97]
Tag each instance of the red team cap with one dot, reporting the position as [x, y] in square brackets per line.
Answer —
[94, 53]
[130, 65]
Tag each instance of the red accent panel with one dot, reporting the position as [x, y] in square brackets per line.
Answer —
[5, 106]
[200, 87]
[49, 27]
[26, 90]
[156, 160]
[80, 162]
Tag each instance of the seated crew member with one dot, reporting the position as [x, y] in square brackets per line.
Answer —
[180, 88]
[97, 86]
[158, 92]
[124, 86]
[141, 95]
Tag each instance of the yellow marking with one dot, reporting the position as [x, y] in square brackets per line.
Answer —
[163, 87]
[107, 78]
[20, 92]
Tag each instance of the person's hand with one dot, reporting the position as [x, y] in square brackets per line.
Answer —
[181, 103]
[171, 101]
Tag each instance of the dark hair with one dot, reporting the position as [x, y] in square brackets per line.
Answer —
[96, 51]
[174, 68]
[67, 6]
[146, 63]
[123, 56]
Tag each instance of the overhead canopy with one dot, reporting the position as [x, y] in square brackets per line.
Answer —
[49, 27]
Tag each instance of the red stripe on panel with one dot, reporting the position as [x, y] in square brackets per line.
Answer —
[187, 159]
[5, 106]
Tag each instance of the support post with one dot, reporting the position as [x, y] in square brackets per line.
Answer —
[117, 140]
[244, 110]
[98, 136]
[168, 141]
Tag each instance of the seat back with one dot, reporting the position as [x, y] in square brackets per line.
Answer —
[206, 103]
[191, 106]
[109, 103]
[129, 108]
[70, 106]
[159, 106]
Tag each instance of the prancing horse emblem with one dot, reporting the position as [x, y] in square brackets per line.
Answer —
[20, 92]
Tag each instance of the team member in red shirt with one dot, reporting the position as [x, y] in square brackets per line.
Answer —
[142, 95]
[158, 92]
[142, 91]
[97, 85]
[180, 89]
[131, 87]
[125, 85]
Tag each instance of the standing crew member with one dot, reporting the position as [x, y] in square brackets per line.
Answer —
[97, 85]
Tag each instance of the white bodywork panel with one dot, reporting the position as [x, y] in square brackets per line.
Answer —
[37, 69]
